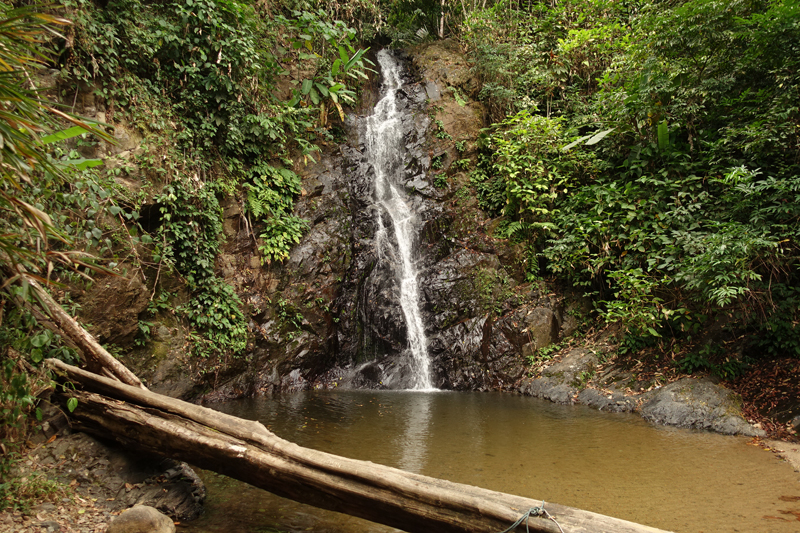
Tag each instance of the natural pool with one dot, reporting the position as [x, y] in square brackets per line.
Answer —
[614, 464]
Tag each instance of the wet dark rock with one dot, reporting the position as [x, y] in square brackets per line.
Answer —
[474, 354]
[450, 291]
[697, 404]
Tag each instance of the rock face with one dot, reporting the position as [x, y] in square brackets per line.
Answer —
[141, 519]
[697, 404]
[478, 315]
[112, 305]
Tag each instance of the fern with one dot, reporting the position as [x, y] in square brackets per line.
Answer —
[270, 200]
[278, 236]
[272, 191]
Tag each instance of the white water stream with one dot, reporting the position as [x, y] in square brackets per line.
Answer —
[384, 145]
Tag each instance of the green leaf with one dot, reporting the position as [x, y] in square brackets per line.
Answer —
[663, 135]
[63, 135]
[598, 137]
[575, 143]
[653, 332]
[115, 210]
[335, 67]
[72, 404]
[80, 164]
[322, 89]
[307, 85]
[354, 59]
[39, 340]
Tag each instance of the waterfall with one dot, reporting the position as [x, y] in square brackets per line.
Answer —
[384, 147]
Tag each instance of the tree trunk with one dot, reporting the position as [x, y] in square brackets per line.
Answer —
[247, 451]
[441, 21]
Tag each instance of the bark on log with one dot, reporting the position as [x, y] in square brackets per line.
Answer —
[247, 451]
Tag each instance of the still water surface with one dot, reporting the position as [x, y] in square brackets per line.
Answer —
[619, 465]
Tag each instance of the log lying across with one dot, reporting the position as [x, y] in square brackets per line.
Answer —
[247, 451]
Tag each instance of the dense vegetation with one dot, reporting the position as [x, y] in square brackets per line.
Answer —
[646, 153]
[201, 82]
[649, 153]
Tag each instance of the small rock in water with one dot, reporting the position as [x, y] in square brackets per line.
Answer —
[141, 519]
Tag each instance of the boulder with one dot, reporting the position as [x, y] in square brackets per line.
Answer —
[574, 368]
[698, 404]
[141, 519]
[607, 400]
[562, 381]
[541, 328]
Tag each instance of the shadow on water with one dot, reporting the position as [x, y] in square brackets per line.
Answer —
[619, 465]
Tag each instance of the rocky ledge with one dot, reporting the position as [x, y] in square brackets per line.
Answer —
[580, 376]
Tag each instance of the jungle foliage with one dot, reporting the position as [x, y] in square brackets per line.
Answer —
[204, 82]
[650, 153]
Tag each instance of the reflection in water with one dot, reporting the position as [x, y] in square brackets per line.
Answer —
[618, 465]
[414, 440]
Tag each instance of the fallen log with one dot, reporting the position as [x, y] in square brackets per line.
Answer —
[247, 451]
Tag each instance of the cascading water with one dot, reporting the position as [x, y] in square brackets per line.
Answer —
[384, 147]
